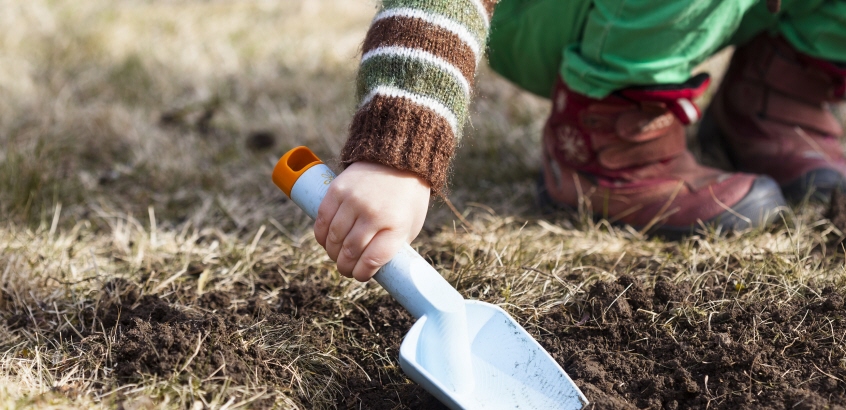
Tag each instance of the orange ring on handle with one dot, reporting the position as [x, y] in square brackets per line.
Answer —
[293, 164]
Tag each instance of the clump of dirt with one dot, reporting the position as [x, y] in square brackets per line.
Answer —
[18, 321]
[214, 342]
[305, 298]
[261, 140]
[270, 280]
[657, 349]
[155, 338]
[667, 294]
[215, 300]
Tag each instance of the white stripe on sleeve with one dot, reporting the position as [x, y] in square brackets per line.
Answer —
[465, 35]
[421, 100]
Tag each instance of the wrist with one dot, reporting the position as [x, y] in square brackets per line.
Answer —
[384, 169]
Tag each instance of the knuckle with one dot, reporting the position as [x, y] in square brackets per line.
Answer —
[349, 251]
[372, 262]
[334, 236]
[371, 213]
[338, 188]
[320, 221]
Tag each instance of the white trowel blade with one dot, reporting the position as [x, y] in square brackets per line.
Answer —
[511, 370]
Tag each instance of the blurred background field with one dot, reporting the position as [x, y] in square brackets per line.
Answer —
[137, 143]
[183, 106]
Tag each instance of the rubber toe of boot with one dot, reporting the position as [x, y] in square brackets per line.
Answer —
[760, 207]
[816, 185]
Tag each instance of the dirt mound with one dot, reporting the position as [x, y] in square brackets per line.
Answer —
[208, 339]
[305, 299]
[656, 349]
[157, 339]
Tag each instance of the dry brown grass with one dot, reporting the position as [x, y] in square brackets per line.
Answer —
[125, 129]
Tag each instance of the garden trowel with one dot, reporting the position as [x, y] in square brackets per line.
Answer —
[469, 354]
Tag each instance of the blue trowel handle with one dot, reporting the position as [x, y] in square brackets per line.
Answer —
[407, 277]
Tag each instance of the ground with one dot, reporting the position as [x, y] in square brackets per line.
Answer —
[147, 261]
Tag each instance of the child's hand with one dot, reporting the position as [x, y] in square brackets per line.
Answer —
[369, 212]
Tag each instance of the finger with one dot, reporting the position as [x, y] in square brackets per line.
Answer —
[381, 249]
[356, 241]
[340, 227]
[325, 214]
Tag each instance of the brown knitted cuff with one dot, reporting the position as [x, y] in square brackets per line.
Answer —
[397, 132]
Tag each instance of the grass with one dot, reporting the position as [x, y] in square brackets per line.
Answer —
[127, 130]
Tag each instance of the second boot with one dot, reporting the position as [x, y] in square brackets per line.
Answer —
[771, 116]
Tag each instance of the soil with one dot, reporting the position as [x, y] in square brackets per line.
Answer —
[155, 337]
[378, 327]
[657, 349]
[626, 345]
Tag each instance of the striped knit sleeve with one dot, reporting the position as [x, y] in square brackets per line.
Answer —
[414, 84]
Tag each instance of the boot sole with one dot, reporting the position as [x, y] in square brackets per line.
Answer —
[761, 206]
[817, 185]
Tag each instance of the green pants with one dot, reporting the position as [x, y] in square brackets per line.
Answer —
[598, 46]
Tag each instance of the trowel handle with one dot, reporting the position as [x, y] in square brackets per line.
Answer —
[407, 277]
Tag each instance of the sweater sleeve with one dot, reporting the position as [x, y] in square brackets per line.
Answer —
[414, 84]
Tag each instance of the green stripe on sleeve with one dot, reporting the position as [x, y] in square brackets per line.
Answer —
[461, 12]
[414, 76]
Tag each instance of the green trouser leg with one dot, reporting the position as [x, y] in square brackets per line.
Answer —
[814, 27]
[598, 46]
[645, 42]
[528, 37]
[605, 45]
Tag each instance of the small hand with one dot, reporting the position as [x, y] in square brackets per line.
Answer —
[368, 213]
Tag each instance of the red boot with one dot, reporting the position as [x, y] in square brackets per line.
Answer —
[625, 156]
[771, 115]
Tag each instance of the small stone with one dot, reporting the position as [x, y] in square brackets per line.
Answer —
[261, 140]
